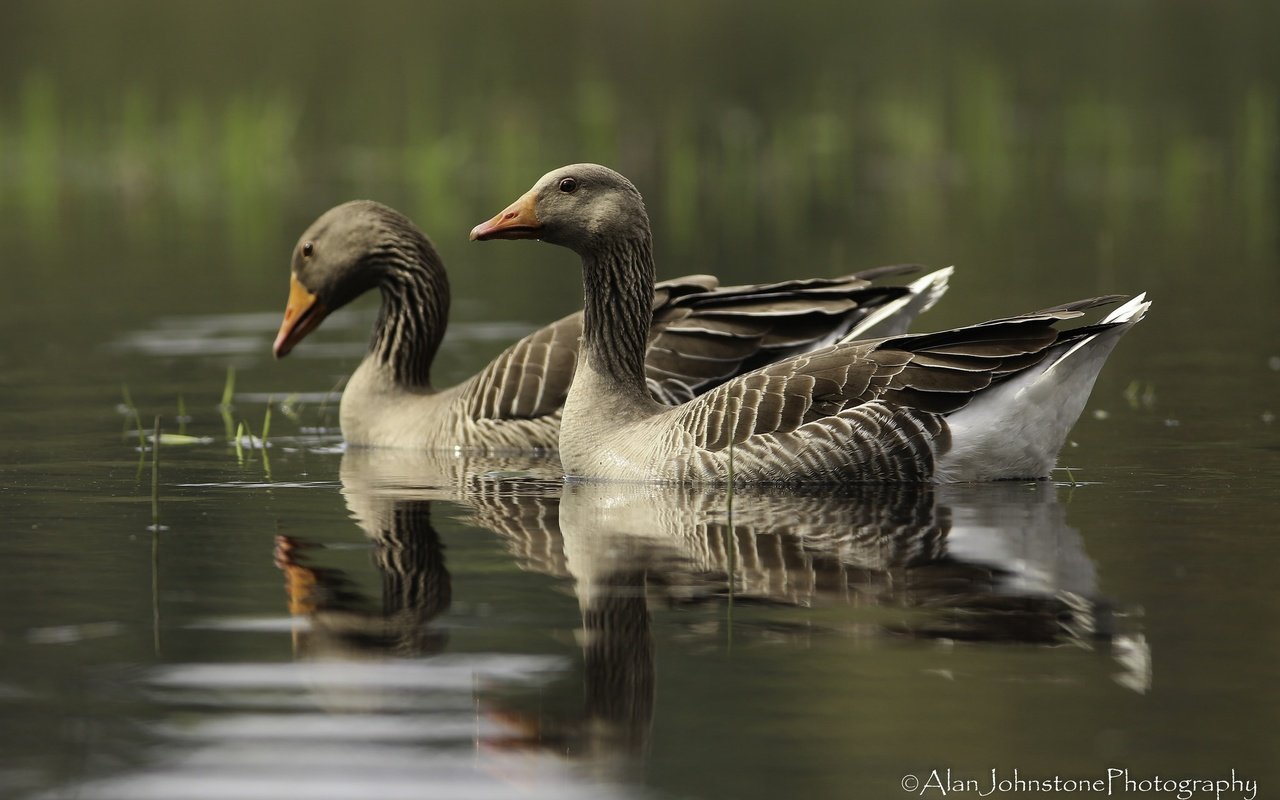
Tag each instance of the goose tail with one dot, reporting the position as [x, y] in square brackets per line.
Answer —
[1016, 428]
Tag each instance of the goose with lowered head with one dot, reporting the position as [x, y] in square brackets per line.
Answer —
[984, 402]
[698, 334]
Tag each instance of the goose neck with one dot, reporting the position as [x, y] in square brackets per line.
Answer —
[415, 312]
[617, 311]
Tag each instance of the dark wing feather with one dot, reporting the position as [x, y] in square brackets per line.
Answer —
[700, 339]
[934, 373]
[702, 335]
[949, 367]
[665, 292]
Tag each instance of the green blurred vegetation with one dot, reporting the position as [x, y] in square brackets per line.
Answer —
[744, 126]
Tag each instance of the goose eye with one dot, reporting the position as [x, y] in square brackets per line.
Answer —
[568, 185]
[307, 248]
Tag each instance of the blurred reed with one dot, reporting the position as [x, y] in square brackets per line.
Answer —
[968, 152]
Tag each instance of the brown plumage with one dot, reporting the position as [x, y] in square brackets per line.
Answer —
[697, 334]
[983, 402]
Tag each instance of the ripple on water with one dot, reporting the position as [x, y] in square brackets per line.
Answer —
[385, 729]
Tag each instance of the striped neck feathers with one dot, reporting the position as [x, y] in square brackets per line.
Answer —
[415, 308]
[618, 309]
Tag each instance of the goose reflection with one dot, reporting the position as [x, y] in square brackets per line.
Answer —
[416, 588]
[989, 563]
[389, 495]
[998, 562]
[979, 563]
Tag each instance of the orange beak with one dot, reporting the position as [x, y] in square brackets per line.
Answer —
[301, 316]
[518, 221]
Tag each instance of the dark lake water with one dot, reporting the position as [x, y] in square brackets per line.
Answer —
[308, 622]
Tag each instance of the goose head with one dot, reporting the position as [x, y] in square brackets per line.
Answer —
[342, 255]
[583, 207]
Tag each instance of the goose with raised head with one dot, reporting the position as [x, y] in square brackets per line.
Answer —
[984, 402]
[697, 335]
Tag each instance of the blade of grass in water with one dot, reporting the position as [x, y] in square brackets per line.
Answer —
[155, 540]
[155, 476]
[248, 435]
[229, 389]
[239, 447]
[156, 527]
[129, 407]
[137, 417]
[228, 424]
[266, 422]
[266, 429]
[132, 412]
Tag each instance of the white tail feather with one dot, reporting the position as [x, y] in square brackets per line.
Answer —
[1132, 311]
[1016, 429]
[893, 319]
